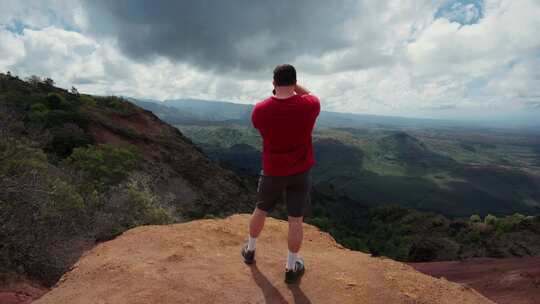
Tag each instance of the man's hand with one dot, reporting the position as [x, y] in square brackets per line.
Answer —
[299, 90]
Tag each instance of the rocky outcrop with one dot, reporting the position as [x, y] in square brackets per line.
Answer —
[200, 262]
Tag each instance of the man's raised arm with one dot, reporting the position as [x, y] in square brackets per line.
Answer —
[299, 90]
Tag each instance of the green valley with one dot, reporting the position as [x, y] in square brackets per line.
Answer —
[441, 171]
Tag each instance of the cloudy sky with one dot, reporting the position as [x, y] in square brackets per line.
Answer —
[424, 58]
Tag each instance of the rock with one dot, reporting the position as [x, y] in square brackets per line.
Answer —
[200, 262]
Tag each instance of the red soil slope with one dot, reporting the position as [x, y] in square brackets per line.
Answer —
[505, 281]
[20, 291]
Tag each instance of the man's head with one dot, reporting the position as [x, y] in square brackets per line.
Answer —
[284, 75]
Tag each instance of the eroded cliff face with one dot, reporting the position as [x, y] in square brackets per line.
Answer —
[178, 169]
[200, 262]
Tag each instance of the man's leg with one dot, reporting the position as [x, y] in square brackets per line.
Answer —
[297, 201]
[256, 225]
[296, 235]
[267, 192]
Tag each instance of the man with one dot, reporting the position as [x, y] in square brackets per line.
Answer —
[285, 122]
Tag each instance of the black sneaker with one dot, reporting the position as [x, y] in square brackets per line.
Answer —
[249, 255]
[293, 276]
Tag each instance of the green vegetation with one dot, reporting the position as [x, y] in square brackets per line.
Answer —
[55, 111]
[65, 139]
[128, 205]
[445, 168]
[40, 210]
[221, 137]
[428, 170]
[59, 191]
[105, 166]
[475, 218]
[114, 103]
[48, 212]
[409, 235]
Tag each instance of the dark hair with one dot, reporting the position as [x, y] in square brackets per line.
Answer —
[285, 75]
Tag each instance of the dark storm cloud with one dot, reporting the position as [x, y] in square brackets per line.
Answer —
[220, 34]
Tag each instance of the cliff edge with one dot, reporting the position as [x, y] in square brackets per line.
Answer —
[200, 262]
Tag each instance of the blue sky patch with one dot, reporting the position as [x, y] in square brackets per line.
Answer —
[464, 12]
[16, 27]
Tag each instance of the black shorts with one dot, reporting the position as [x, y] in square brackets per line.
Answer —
[294, 189]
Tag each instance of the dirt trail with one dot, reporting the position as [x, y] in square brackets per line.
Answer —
[199, 262]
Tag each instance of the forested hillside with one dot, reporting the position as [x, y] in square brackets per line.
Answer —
[77, 169]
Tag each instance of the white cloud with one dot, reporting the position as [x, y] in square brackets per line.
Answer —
[11, 48]
[492, 49]
[401, 60]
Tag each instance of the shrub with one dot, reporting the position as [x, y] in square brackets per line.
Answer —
[55, 101]
[60, 117]
[117, 104]
[41, 213]
[38, 113]
[475, 218]
[491, 220]
[427, 248]
[354, 243]
[388, 213]
[509, 223]
[86, 99]
[52, 110]
[104, 166]
[67, 138]
[322, 222]
[128, 205]
[17, 156]
[64, 205]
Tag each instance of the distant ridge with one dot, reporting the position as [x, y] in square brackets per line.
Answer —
[221, 111]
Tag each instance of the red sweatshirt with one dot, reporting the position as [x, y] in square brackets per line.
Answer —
[285, 126]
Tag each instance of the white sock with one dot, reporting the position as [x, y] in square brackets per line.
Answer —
[251, 243]
[291, 260]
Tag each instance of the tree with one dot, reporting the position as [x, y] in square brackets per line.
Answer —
[49, 82]
[33, 80]
[74, 91]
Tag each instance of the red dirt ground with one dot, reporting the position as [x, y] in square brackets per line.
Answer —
[505, 281]
[20, 291]
[199, 262]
